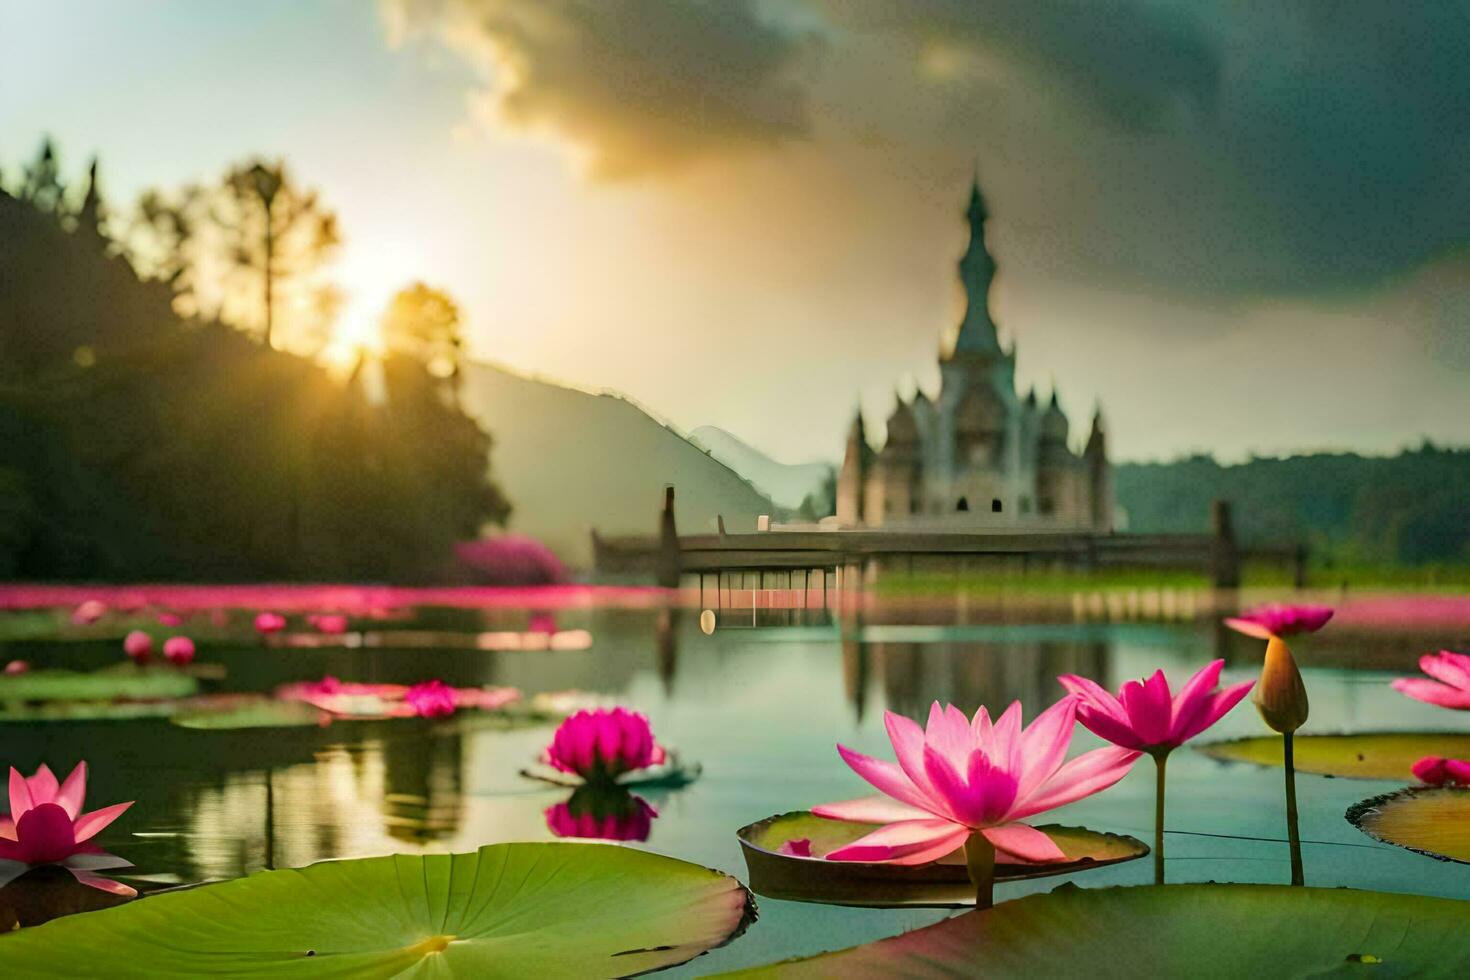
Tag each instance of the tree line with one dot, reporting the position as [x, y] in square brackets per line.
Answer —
[162, 414]
[1410, 509]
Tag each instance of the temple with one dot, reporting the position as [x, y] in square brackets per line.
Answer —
[977, 454]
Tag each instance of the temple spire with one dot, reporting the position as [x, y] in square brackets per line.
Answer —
[977, 269]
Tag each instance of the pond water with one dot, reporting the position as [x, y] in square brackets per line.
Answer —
[760, 708]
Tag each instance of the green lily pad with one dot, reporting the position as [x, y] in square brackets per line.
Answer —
[672, 774]
[944, 883]
[45, 711]
[1196, 931]
[508, 910]
[1434, 821]
[248, 711]
[118, 683]
[1370, 755]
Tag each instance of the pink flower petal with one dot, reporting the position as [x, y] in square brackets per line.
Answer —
[1149, 707]
[1044, 744]
[89, 825]
[1089, 773]
[887, 778]
[948, 733]
[20, 795]
[42, 785]
[1249, 627]
[104, 884]
[1216, 706]
[1447, 667]
[801, 847]
[908, 842]
[73, 790]
[1432, 692]
[871, 809]
[1094, 696]
[1024, 842]
[44, 835]
[908, 746]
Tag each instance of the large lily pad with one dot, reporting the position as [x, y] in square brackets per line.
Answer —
[508, 910]
[1197, 931]
[777, 873]
[1430, 820]
[121, 682]
[1370, 755]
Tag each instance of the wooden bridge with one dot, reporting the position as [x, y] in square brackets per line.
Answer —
[670, 555]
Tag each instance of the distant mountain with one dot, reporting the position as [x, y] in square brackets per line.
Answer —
[788, 484]
[572, 460]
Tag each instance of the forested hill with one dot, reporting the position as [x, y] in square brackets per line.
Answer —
[136, 445]
[1412, 508]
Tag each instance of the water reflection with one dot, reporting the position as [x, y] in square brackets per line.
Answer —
[759, 708]
[602, 813]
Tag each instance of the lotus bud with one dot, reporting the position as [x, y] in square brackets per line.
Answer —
[138, 645]
[179, 650]
[1281, 697]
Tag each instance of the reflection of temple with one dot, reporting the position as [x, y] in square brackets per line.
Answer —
[913, 675]
[422, 799]
[348, 801]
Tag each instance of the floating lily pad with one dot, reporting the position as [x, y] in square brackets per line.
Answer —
[45, 711]
[1370, 755]
[943, 883]
[1197, 931]
[508, 910]
[672, 774]
[249, 711]
[1430, 820]
[121, 682]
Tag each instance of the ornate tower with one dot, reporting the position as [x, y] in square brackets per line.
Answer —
[1053, 464]
[852, 479]
[977, 271]
[1099, 475]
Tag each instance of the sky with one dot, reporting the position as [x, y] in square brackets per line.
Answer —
[1238, 227]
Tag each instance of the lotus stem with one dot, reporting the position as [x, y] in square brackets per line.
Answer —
[1161, 760]
[980, 859]
[1293, 834]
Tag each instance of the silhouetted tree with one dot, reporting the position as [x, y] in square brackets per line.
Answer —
[422, 323]
[247, 251]
[41, 186]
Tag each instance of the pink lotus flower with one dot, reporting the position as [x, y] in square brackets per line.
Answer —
[179, 651]
[1434, 770]
[628, 819]
[17, 667]
[330, 623]
[138, 646]
[961, 776]
[601, 745]
[88, 612]
[268, 622]
[1275, 619]
[1146, 716]
[46, 826]
[431, 699]
[510, 559]
[1450, 687]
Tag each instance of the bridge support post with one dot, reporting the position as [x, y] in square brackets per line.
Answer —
[1225, 555]
[668, 543]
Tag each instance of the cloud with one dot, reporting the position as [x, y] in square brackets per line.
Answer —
[1137, 64]
[640, 86]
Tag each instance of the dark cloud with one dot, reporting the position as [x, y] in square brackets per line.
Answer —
[1138, 64]
[1217, 151]
[640, 85]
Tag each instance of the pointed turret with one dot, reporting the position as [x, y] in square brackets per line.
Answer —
[853, 477]
[1097, 439]
[977, 269]
[1099, 475]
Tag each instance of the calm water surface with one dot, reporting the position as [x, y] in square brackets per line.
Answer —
[761, 709]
